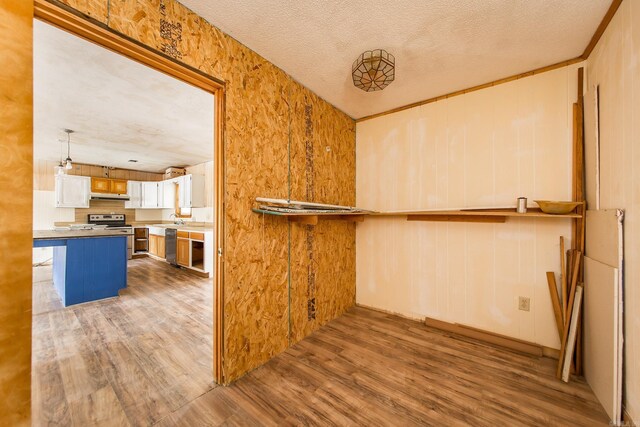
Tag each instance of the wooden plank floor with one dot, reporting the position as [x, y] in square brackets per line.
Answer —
[369, 368]
[365, 368]
[130, 360]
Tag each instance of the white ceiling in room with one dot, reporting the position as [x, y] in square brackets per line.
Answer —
[120, 109]
[440, 46]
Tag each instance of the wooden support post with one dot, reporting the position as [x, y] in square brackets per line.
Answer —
[573, 333]
[563, 278]
[555, 302]
[572, 295]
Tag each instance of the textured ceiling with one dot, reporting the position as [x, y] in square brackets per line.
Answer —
[119, 108]
[440, 46]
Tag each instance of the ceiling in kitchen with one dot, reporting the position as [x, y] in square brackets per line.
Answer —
[120, 109]
[440, 46]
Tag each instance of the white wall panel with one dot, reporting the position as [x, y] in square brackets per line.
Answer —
[614, 65]
[484, 148]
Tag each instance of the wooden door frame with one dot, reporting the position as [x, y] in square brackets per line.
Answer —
[89, 29]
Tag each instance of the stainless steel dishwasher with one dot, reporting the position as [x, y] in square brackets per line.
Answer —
[170, 245]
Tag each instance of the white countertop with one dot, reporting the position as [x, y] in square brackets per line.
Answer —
[78, 234]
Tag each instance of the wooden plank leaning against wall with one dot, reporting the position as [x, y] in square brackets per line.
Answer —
[273, 125]
[16, 153]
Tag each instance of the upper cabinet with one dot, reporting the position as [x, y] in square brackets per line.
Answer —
[109, 186]
[150, 195]
[188, 189]
[72, 191]
[118, 186]
[191, 193]
[134, 191]
[169, 193]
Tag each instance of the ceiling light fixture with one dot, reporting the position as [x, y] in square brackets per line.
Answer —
[374, 70]
[68, 159]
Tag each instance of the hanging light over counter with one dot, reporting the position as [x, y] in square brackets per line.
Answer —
[68, 164]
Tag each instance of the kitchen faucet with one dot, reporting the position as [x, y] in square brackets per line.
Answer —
[176, 220]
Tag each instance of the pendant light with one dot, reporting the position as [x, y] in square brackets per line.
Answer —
[60, 167]
[68, 159]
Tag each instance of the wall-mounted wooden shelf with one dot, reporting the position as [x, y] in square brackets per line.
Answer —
[479, 215]
[499, 215]
[311, 218]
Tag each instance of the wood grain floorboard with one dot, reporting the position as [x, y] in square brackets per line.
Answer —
[145, 359]
[130, 360]
[370, 368]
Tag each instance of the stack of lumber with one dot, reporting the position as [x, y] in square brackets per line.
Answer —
[567, 306]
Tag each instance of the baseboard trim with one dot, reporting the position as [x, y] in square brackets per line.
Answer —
[393, 313]
[504, 341]
[492, 338]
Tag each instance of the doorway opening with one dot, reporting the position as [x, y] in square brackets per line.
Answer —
[163, 332]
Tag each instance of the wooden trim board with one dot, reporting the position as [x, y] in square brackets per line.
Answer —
[475, 88]
[67, 19]
[585, 54]
[485, 336]
[615, 4]
[489, 337]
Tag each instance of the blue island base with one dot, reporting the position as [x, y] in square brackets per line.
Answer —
[88, 269]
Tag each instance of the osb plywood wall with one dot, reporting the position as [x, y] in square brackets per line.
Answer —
[613, 66]
[266, 113]
[16, 152]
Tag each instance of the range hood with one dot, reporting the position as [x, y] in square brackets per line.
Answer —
[108, 196]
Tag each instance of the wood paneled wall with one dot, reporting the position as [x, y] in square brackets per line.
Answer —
[44, 173]
[272, 125]
[16, 154]
[613, 66]
[480, 149]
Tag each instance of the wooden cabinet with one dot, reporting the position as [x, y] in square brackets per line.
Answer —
[118, 186]
[100, 185]
[72, 191]
[153, 244]
[141, 240]
[161, 247]
[182, 252]
[156, 245]
[108, 186]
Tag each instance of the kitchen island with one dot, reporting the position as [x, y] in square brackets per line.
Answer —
[88, 265]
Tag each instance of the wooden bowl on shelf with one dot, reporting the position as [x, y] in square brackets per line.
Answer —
[557, 208]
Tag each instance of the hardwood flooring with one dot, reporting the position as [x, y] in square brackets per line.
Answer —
[365, 368]
[130, 360]
[369, 368]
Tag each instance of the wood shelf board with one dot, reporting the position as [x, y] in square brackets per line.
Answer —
[338, 214]
[498, 215]
[311, 218]
[477, 213]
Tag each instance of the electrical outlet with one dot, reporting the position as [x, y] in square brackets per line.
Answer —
[524, 303]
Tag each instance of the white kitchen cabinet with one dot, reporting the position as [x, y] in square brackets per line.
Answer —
[191, 191]
[134, 191]
[169, 193]
[160, 190]
[150, 195]
[72, 191]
